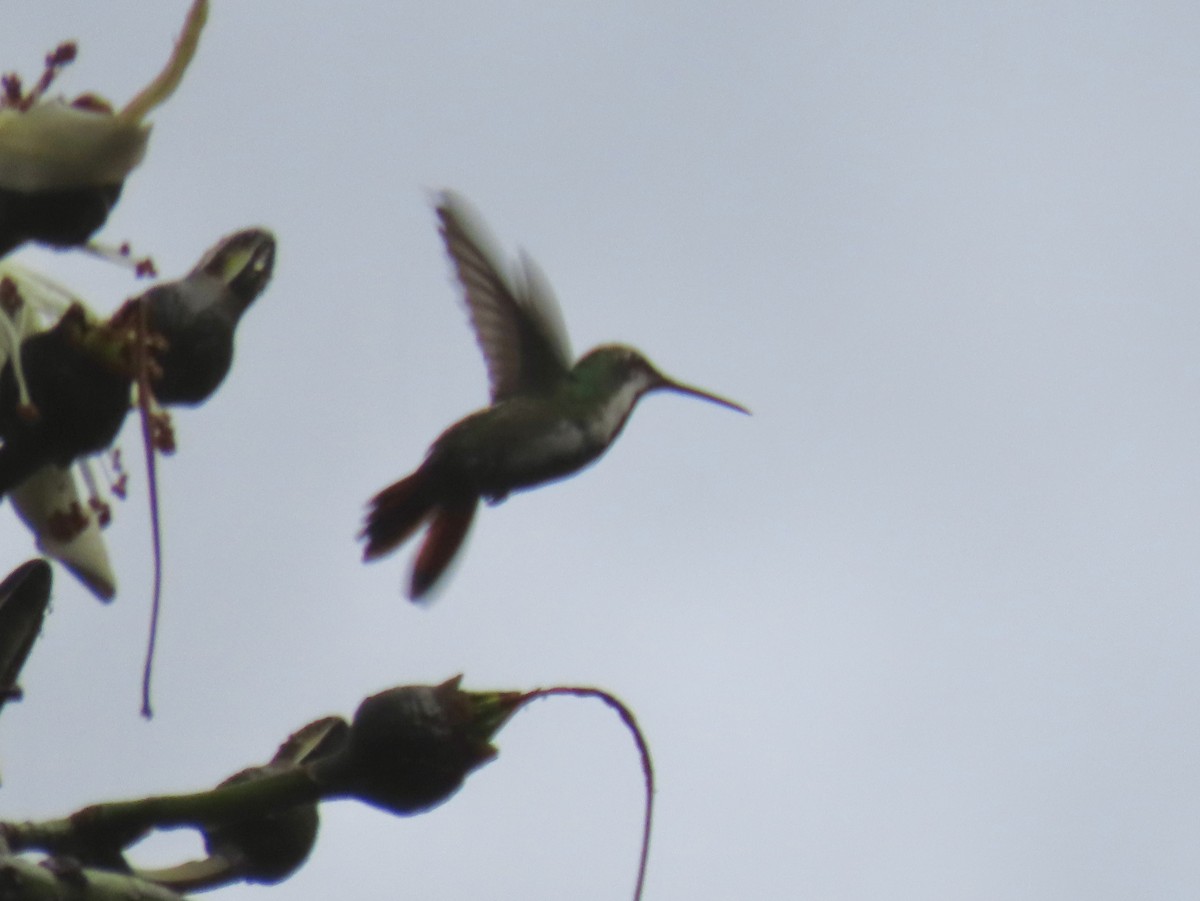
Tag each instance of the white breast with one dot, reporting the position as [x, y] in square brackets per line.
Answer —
[612, 414]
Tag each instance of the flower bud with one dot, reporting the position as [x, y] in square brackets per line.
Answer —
[269, 848]
[410, 748]
[196, 316]
[78, 398]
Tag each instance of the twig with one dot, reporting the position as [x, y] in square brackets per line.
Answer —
[630, 722]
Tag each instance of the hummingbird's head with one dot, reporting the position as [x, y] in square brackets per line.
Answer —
[629, 367]
[242, 262]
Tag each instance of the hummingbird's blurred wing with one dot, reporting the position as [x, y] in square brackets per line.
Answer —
[517, 324]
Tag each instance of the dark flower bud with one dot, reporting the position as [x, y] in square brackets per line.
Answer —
[268, 848]
[271, 843]
[76, 397]
[410, 748]
[62, 218]
[196, 316]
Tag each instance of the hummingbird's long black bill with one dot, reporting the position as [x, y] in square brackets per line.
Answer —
[681, 388]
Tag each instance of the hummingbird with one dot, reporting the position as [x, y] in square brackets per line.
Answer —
[548, 418]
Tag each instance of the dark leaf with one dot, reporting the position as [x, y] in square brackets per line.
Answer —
[24, 597]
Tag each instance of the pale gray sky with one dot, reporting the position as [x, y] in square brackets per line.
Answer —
[923, 627]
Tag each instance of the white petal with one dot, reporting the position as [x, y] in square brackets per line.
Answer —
[47, 495]
[54, 146]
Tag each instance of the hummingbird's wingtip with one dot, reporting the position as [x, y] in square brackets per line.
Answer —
[449, 202]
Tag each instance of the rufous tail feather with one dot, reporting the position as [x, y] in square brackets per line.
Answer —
[396, 512]
[445, 536]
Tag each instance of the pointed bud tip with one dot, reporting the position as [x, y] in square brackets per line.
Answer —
[490, 710]
[32, 576]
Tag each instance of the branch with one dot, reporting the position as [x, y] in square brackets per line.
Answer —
[37, 882]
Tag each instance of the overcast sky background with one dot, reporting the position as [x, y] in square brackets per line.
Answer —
[926, 626]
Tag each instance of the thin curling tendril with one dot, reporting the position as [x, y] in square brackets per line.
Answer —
[639, 738]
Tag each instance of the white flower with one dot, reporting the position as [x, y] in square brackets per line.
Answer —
[48, 502]
[57, 145]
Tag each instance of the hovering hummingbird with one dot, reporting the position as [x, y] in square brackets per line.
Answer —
[548, 418]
